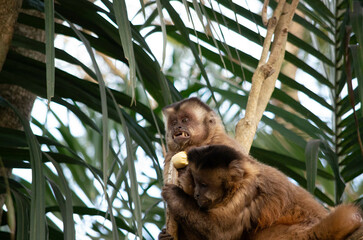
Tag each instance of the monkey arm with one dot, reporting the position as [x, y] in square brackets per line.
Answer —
[186, 181]
[180, 203]
[186, 211]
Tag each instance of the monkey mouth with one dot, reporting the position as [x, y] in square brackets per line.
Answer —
[180, 136]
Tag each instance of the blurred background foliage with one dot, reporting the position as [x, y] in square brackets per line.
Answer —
[89, 166]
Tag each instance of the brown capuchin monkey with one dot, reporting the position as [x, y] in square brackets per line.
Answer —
[235, 197]
[191, 123]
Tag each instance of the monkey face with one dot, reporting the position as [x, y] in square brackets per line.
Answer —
[209, 187]
[179, 126]
[216, 169]
[187, 124]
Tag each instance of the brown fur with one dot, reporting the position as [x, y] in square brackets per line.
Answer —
[239, 198]
[203, 126]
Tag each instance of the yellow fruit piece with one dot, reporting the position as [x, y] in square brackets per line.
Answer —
[180, 160]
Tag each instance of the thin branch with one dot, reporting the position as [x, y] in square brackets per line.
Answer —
[171, 224]
[264, 12]
[272, 22]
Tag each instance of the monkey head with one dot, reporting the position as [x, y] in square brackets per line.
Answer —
[190, 122]
[217, 170]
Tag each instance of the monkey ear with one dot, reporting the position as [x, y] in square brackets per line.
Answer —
[236, 171]
[167, 111]
[212, 118]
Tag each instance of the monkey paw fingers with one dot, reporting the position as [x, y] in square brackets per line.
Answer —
[164, 235]
[169, 191]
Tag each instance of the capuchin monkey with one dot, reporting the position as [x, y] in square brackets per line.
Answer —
[235, 197]
[191, 123]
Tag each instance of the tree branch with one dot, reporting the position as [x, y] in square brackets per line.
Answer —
[265, 76]
[171, 224]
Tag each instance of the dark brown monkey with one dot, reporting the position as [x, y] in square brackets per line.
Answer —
[236, 197]
[191, 123]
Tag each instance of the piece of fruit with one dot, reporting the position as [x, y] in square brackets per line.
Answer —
[180, 160]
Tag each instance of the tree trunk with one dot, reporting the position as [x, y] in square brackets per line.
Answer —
[22, 99]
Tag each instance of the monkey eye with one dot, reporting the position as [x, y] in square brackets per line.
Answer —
[184, 120]
[203, 185]
[174, 122]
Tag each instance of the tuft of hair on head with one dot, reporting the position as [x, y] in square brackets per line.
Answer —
[193, 100]
[213, 156]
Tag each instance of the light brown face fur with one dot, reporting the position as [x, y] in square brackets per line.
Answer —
[189, 123]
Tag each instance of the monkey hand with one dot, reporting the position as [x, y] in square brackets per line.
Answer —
[186, 181]
[180, 160]
[169, 192]
[164, 235]
[178, 202]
